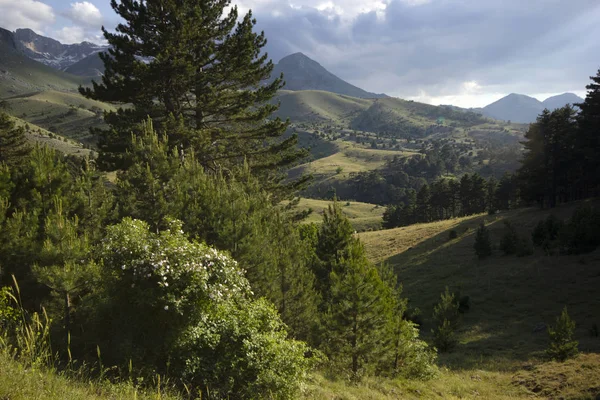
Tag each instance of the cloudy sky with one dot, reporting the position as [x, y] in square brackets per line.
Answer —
[462, 52]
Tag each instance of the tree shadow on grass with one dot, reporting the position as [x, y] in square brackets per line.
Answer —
[513, 299]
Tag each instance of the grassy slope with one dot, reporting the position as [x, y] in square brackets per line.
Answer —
[510, 297]
[67, 114]
[363, 216]
[37, 134]
[319, 106]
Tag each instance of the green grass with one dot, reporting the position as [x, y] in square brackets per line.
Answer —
[37, 134]
[67, 114]
[20, 383]
[319, 106]
[362, 216]
[510, 296]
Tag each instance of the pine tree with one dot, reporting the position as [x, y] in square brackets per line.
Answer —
[197, 71]
[562, 346]
[64, 265]
[588, 139]
[423, 211]
[446, 316]
[335, 239]
[549, 171]
[358, 314]
[13, 142]
[490, 200]
[483, 244]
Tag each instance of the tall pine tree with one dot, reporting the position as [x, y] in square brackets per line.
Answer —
[588, 145]
[197, 72]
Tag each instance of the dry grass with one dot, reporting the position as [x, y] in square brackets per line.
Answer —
[500, 353]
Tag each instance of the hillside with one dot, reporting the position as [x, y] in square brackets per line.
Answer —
[20, 74]
[362, 216]
[349, 135]
[67, 114]
[91, 66]
[36, 134]
[511, 297]
[302, 73]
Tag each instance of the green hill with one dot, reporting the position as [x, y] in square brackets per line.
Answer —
[512, 299]
[37, 134]
[64, 113]
[319, 106]
[362, 216]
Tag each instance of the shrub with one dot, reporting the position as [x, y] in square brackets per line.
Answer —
[417, 359]
[452, 234]
[580, 234]
[510, 239]
[483, 244]
[169, 304]
[539, 234]
[524, 247]
[562, 346]
[547, 232]
[513, 243]
[446, 316]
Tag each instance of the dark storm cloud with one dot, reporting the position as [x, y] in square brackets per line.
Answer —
[529, 46]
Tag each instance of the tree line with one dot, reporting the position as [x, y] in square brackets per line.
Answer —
[448, 198]
[559, 164]
[562, 153]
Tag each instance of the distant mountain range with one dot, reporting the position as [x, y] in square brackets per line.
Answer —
[79, 59]
[302, 73]
[524, 109]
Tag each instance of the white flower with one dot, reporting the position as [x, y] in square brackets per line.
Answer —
[123, 267]
[166, 308]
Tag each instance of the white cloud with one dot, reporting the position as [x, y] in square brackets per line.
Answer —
[85, 14]
[70, 34]
[77, 34]
[348, 9]
[25, 14]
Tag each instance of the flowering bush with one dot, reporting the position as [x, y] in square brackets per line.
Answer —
[180, 307]
[167, 270]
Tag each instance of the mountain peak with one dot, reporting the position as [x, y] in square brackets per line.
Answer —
[300, 72]
[525, 109]
[49, 51]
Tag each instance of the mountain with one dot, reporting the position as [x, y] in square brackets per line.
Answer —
[554, 102]
[7, 39]
[302, 73]
[91, 66]
[20, 75]
[524, 109]
[51, 52]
